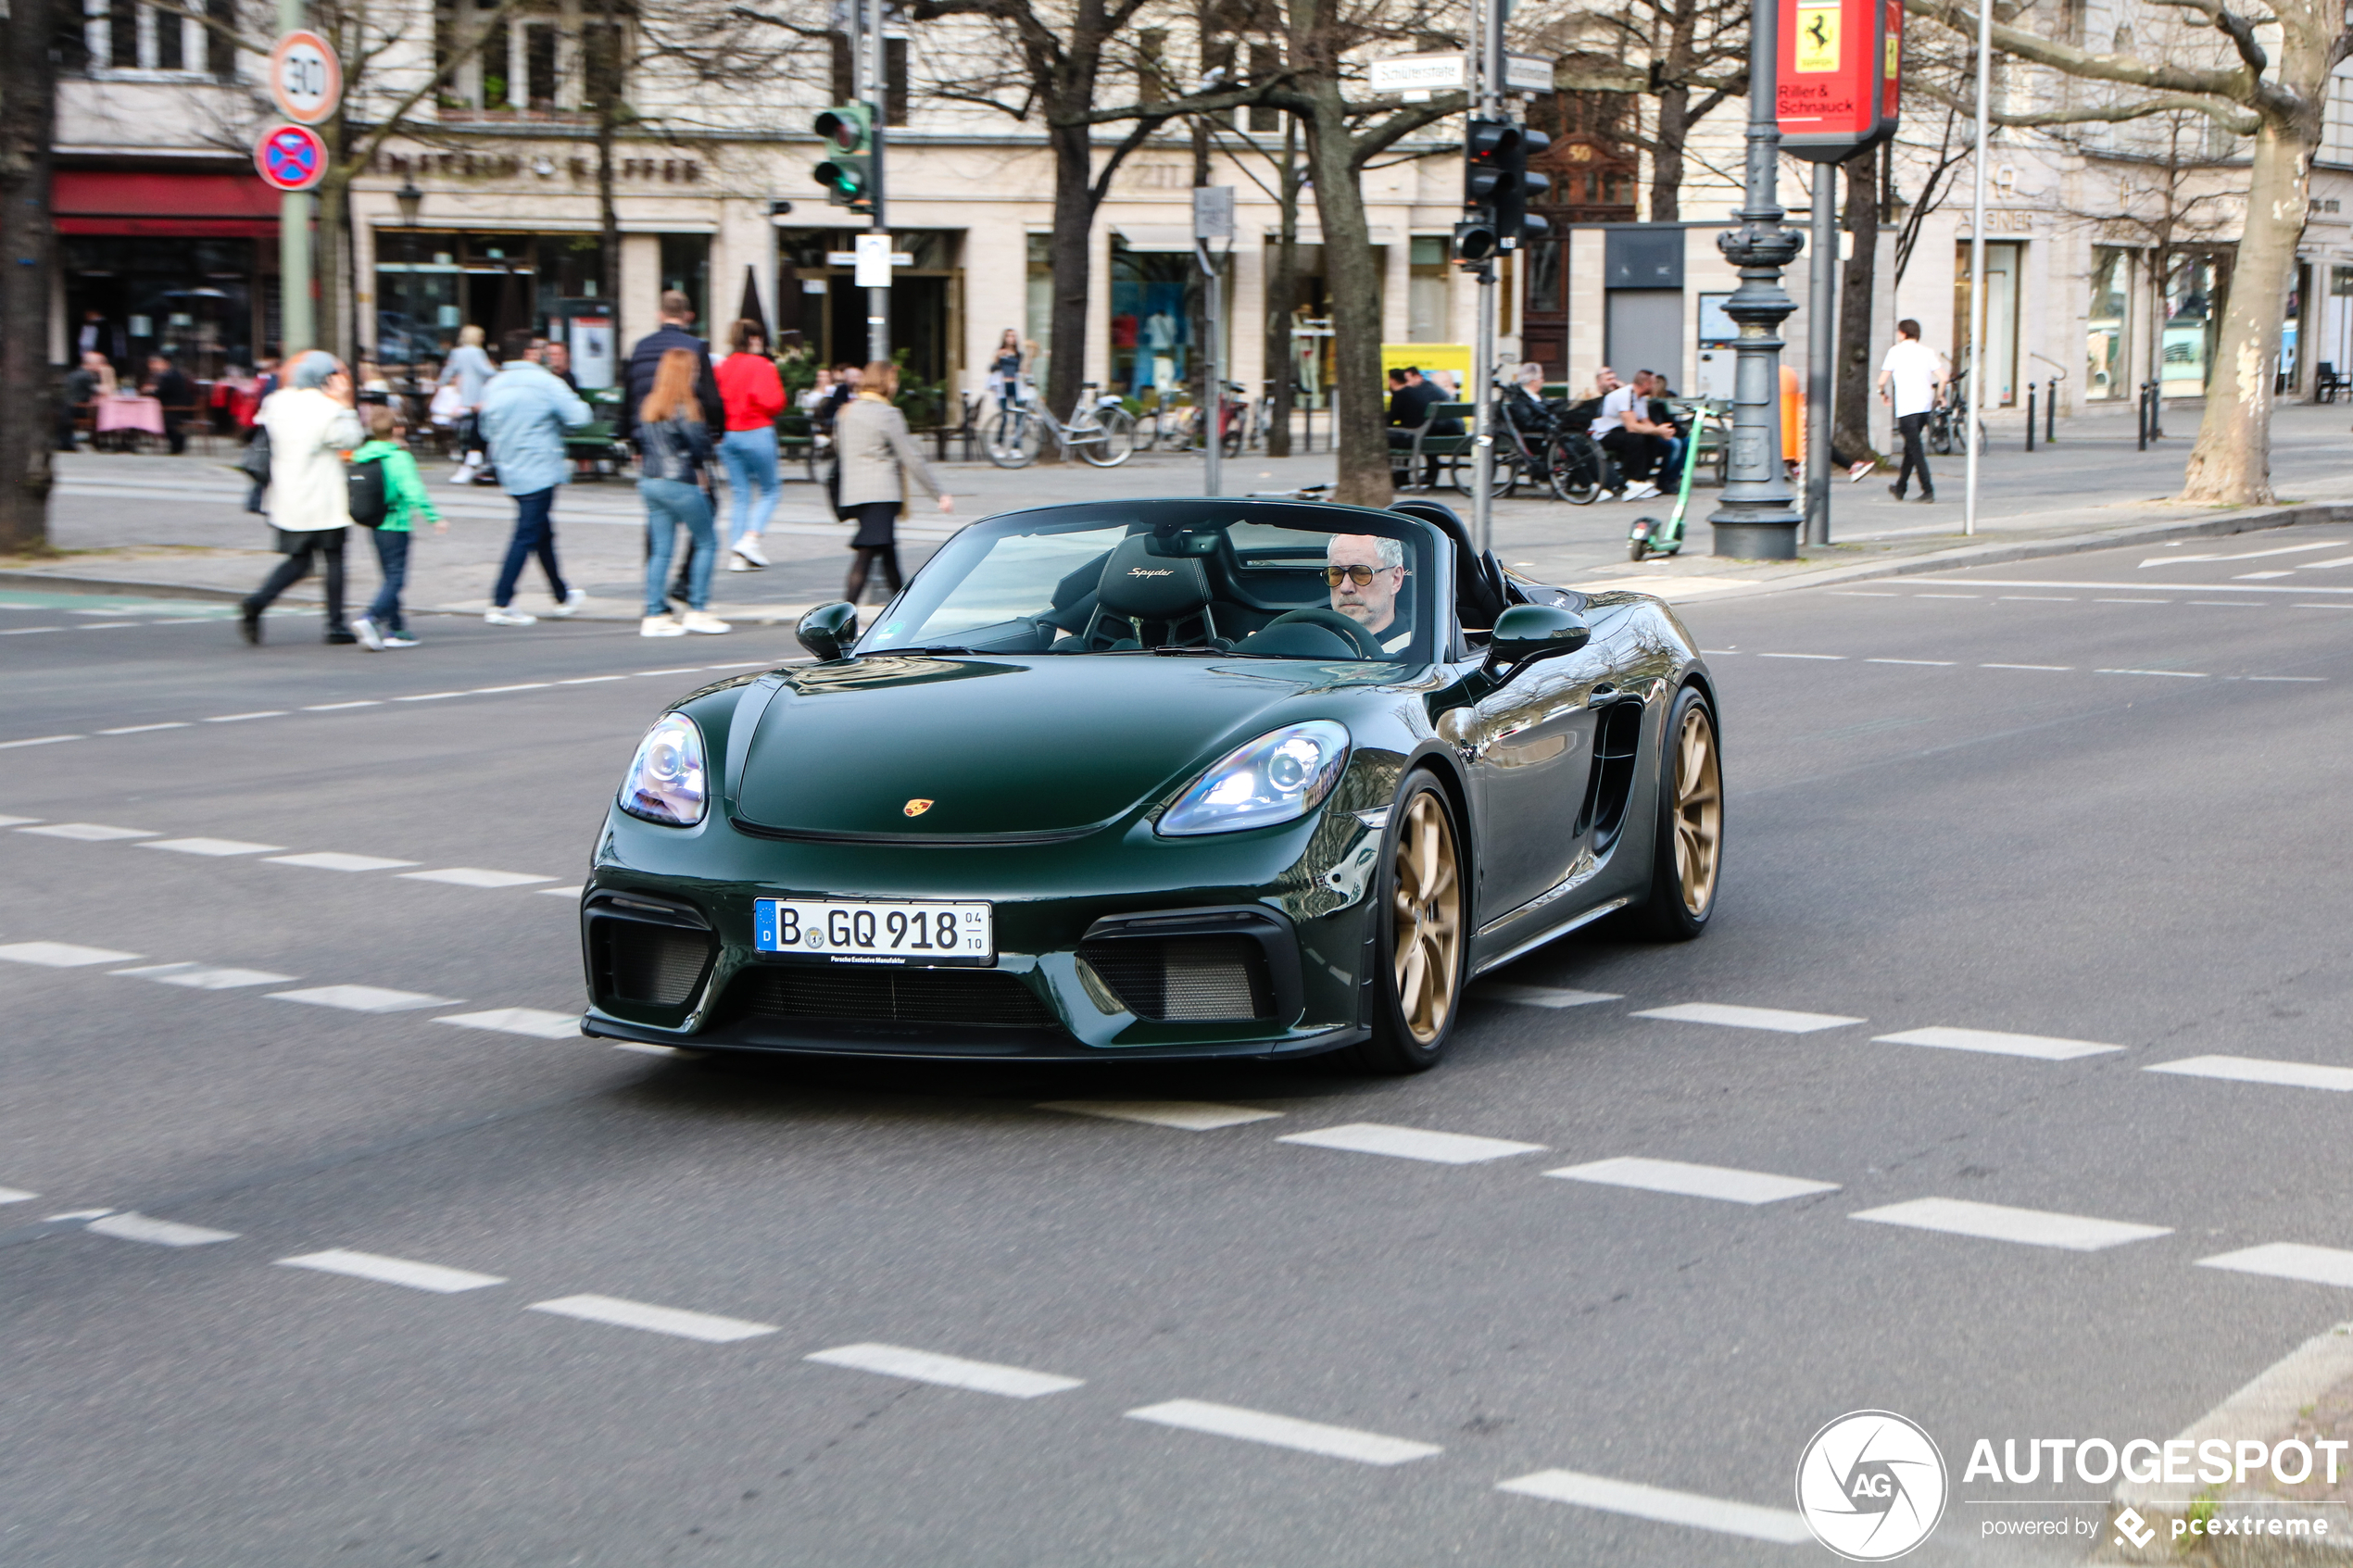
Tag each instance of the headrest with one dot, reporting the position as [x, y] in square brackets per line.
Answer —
[1149, 587]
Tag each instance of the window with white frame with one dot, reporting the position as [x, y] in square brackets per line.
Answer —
[123, 37]
[557, 59]
[2336, 123]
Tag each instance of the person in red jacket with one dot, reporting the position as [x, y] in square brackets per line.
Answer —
[754, 396]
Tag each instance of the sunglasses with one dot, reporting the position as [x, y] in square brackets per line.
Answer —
[1360, 575]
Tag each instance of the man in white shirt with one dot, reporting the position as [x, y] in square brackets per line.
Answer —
[1623, 428]
[1909, 381]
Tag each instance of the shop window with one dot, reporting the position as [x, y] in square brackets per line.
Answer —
[1151, 323]
[2005, 265]
[2107, 372]
[686, 266]
[1037, 318]
[1426, 291]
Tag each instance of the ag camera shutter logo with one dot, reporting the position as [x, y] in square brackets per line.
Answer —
[1871, 1485]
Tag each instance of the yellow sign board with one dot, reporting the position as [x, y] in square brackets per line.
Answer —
[1818, 37]
[1427, 357]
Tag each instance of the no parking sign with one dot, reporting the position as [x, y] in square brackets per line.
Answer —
[291, 157]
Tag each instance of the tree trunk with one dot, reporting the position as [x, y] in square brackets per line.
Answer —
[331, 199]
[1351, 272]
[1667, 161]
[1282, 298]
[609, 224]
[1851, 421]
[2230, 465]
[1074, 219]
[28, 102]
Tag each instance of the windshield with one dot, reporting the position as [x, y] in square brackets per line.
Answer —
[1168, 577]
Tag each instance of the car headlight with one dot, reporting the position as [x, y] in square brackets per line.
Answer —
[665, 779]
[1275, 778]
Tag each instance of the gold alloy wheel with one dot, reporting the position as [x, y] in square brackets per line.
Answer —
[1699, 810]
[1429, 943]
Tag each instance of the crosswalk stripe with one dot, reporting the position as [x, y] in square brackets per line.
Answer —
[1284, 1431]
[1411, 1143]
[17, 1194]
[61, 955]
[159, 1233]
[362, 998]
[2254, 1070]
[2289, 1260]
[535, 1022]
[1693, 1181]
[1996, 1222]
[1732, 1017]
[86, 832]
[2043, 1046]
[474, 877]
[1658, 1503]
[950, 1372]
[1191, 1116]
[204, 977]
[331, 860]
[1542, 996]
[653, 1320]
[211, 846]
[435, 1277]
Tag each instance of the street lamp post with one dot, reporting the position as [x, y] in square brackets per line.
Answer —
[1758, 519]
[410, 201]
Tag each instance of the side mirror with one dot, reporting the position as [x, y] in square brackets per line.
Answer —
[1527, 632]
[828, 629]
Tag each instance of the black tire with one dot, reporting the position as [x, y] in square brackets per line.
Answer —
[1940, 438]
[1401, 1043]
[1671, 914]
[1574, 479]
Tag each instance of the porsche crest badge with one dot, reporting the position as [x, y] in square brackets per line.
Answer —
[916, 807]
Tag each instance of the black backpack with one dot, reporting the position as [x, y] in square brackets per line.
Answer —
[370, 504]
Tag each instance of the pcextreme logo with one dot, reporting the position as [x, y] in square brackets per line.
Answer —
[1871, 1485]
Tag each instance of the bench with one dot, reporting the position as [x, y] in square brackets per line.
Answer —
[1443, 452]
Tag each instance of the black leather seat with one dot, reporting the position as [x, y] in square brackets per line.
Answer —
[1144, 600]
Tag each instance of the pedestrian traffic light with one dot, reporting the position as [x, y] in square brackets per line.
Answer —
[1476, 237]
[848, 173]
[1517, 186]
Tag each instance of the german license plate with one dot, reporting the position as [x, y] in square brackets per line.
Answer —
[875, 931]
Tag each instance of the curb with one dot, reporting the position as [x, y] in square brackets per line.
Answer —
[128, 588]
[2269, 1408]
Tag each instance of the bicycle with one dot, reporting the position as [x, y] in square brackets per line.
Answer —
[1945, 419]
[1232, 417]
[1100, 431]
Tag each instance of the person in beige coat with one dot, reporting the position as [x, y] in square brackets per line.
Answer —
[876, 452]
[313, 421]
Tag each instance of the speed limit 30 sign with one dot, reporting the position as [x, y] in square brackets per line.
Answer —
[305, 78]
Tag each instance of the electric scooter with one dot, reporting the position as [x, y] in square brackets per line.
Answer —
[1651, 537]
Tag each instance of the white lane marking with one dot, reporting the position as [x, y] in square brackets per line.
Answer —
[429, 696]
[2289, 1260]
[1997, 1222]
[761, 663]
[2039, 598]
[104, 625]
[339, 707]
[1411, 1143]
[590, 680]
[212, 846]
[205, 977]
[1542, 996]
[519, 687]
[1948, 596]
[1862, 594]
[2261, 576]
[61, 955]
[536, 1021]
[2255, 1070]
[17, 822]
[1692, 1181]
[1284, 1431]
[1658, 1503]
[28, 632]
[2176, 674]
[681, 669]
[362, 998]
[2324, 565]
[2321, 607]
[2224, 603]
[474, 877]
[435, 1277]
[654, 1320]
[87, 833]
[2132, 601]
[2054, 667]
[143, 729]
[331, 860]
[1732, 1017]
[950, 1372]
[559, 892]
[1185, 1115]
[2299, 679]
[241, 718]
[161, 1233]
[1936, 661]
[2246, 555]
[1831, 657]
[17, 1194]
[2043, 1046]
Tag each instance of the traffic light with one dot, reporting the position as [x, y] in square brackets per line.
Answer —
[1486, 144]
[1513, 223]
[848, 173]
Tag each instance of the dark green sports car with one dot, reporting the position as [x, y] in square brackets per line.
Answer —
[1175, 778]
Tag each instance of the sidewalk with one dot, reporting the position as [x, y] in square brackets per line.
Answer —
[176, 525]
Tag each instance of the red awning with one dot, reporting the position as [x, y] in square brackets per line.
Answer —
[93, 201]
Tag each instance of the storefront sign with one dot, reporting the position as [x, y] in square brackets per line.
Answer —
[306, 79]
[1839, 82]
[291, 157]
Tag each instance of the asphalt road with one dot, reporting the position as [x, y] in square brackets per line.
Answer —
[2093, 801]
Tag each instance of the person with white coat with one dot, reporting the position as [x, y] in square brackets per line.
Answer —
[313, 421]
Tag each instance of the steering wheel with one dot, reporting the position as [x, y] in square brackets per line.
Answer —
[1361, 640]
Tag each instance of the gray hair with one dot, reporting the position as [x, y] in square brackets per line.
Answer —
[1389, 552]
[1530, 374]
[313, 369]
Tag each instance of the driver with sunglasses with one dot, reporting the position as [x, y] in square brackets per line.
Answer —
[1364, 571]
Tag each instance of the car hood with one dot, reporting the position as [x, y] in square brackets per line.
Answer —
[1002, 745]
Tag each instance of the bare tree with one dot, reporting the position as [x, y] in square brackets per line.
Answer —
[28, 247]
[2239, 85]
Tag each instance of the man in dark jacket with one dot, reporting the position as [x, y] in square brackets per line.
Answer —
[1410, 401]
[677, 315]
[168, 387]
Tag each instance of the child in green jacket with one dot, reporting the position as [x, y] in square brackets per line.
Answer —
[404, 501]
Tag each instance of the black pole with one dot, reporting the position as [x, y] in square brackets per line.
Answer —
[2030, 416]
[2050, 413]
[2141, 416]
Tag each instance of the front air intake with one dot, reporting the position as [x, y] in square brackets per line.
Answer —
[645, 954]
[1185, 979]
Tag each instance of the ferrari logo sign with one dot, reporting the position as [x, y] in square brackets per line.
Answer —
[291, 157]
[1818, 37]
[916, 807]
